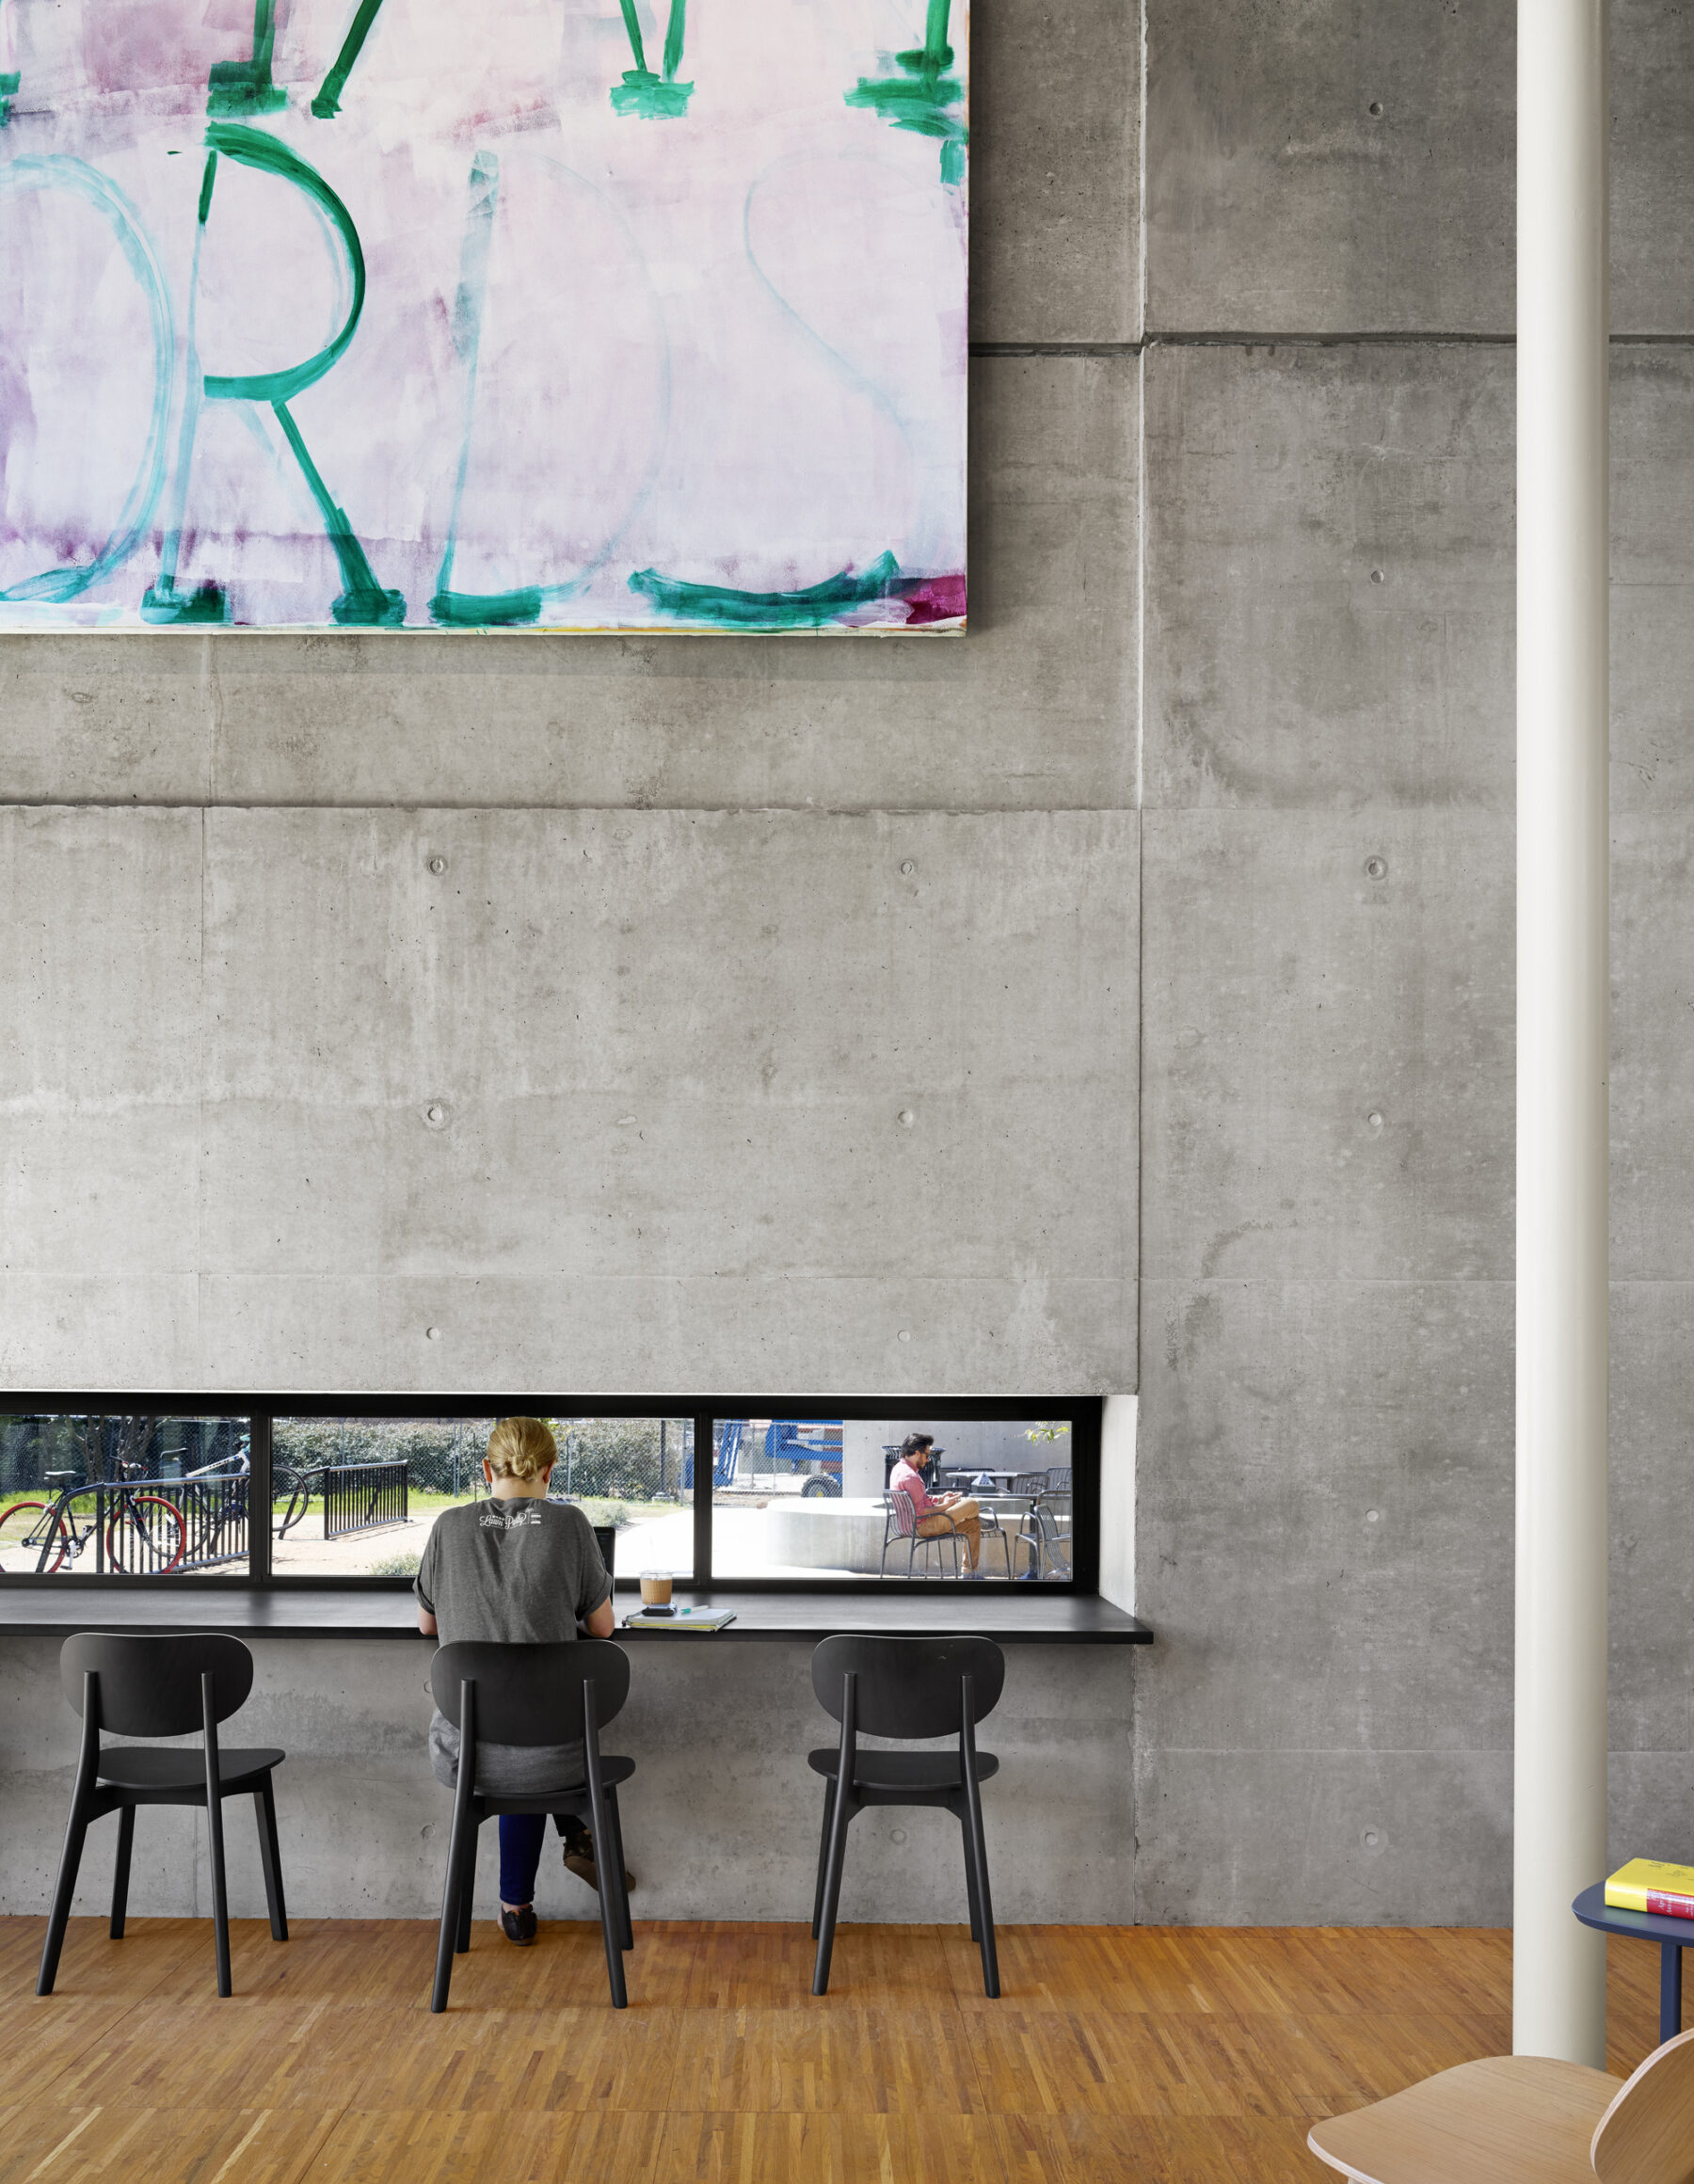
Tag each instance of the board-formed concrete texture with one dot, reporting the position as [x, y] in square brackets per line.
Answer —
[1339, 167]
[671, 990]
[1329, 576]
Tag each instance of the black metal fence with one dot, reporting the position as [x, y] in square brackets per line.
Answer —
[358, 1497]
[355, 1497]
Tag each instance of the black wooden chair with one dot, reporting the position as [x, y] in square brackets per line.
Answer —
[905, 1688]
[533, 1694]
[161, 1687]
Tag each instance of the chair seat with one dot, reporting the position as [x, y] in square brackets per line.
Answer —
[166, 1767]
[615, 1771]
[903, 1770]
[1511, 2119]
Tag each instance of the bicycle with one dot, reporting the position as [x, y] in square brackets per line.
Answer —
[144, 1535]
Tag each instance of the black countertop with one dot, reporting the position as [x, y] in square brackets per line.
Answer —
[53, 1610]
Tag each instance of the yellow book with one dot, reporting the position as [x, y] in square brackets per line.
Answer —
[1647, 1883]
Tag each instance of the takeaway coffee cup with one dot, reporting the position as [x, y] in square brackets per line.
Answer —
[655, 1588]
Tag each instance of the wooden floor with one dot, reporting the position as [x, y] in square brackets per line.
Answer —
[1152, 2054]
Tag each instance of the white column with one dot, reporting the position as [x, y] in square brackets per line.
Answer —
[1559, 1987]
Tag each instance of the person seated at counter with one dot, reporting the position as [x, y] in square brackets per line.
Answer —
[520, 1571]
[937, 1514]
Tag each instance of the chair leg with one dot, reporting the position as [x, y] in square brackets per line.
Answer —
[120, 1869]
[618, 1867]
[976, 1849]
[835, 1860]
[221, 1895]
[452, 1886]
[971, 1883]
[270, 1857]
[467, 1891]
[822, 1859]
[611, 1932]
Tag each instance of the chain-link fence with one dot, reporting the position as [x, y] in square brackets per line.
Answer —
[37, 1452]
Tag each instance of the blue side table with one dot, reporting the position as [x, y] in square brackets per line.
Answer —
[1672, 1935]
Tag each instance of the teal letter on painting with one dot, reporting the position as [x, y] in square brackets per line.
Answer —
[648, 97]
[245, 86]
[920, 97]
[364, 602]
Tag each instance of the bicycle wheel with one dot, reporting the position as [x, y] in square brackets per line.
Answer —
[145, 1536]
[26, 1528]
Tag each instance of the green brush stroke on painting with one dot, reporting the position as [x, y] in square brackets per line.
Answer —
[245, 86]
[327, 103]
[364, 605]
[720, 607]
[166, 607]
[486, 610]
[648, 97]
[10, 81]
[919, 99]
[254, 148]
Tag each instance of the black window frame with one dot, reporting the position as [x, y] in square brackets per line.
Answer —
[1084, 1414]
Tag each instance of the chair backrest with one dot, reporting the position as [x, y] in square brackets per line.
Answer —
[909, 1687]
[531, 1695]
[150, 1687]
[905, 1511]
[1058, 1478]
[1030, 1482]
[1647, 2135]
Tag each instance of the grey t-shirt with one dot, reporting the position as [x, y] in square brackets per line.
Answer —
[516, 1573]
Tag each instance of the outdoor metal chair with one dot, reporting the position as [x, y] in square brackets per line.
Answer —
[907, 1689]
[161, 1687]
[903, 1524]
[533, 1694]
[1048, 1531]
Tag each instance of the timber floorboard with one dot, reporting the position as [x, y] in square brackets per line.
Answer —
[1172, 2055]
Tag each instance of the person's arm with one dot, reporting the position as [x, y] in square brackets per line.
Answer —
[426, 1622]
[600, 1622]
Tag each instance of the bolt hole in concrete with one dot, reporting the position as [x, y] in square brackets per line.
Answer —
[1373, 1516]
[436, 1115]
[904, 1334]
[1371, 1838]
[906, 1118]
[1374, 1119]
[908, 868]
[432, 1333]
[1375, 576]
[438, 864]
[1376, 868]
[1376, 107]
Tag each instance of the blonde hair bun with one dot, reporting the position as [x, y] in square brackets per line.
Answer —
[521, 1448]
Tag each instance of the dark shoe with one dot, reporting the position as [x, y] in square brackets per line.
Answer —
[519, 1926]
[578, 1859]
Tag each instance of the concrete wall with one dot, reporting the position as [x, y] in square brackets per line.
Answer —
[1198, 988]
[720, 1822]
[1325, 1434]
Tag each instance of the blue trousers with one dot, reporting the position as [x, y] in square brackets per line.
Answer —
[521, 1835]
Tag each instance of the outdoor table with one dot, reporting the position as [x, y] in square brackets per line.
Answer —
[1672, 1935]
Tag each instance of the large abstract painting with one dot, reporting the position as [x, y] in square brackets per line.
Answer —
[568, 315]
